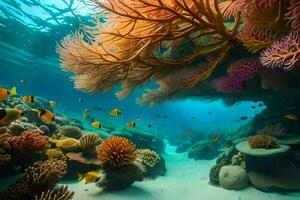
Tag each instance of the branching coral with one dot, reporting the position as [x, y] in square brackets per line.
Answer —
[56, 154]
[116, 152]
[28, 142]
[284, 53]
[293, 14]
[148, 157]
[42, 175]
[274, 130]
[61, 193]
[89, 142]
[129, 49]
[262, 141]
[238, 72]
[4, 146]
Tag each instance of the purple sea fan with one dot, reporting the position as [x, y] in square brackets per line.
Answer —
[293, 14]
[284, 53]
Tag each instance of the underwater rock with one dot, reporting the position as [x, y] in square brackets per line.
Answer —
[233, 178]
[183, 147]
[283, 176]
[292, 141]
[245, 148]
[204, 149]
[121, 177]
[45, 129]
[78, 163]
[70, 131]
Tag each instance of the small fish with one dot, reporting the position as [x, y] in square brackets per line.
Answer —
[87, 110]
[166, 116]
[28, 99]
[22, 81]
[209, 113]
[4, 93]
[253, 107]
[244, 118]
[215, 138]
[90, 177]
[52, 103]
[80, 99]
[149, 125]
[131, 124]
[193, 117]
[45, 115]
[85, 116]
[291, 117]
[115, 112]
[188, 133]
[260, 104]
[9, 115]
[96, 124]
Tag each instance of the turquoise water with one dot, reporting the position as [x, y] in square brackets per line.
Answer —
[29, 33]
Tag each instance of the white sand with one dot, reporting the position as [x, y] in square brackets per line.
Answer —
[186, 179]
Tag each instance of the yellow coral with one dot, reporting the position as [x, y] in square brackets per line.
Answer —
[148, 157]
[56, 154]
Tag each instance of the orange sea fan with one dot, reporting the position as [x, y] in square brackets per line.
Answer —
[116, 152]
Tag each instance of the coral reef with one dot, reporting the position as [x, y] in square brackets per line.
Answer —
[262, 141]
[28, 142]
[61, 193]
[147, 157]
[56, 154]
[89, 142]
[116, 152]
[4, 147]
[43, 175]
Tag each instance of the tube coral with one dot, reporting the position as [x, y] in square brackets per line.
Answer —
[116, 152]
[28, 142]
[284, 53]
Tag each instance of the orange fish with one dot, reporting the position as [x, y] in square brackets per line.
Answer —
[215, 138]
[188, 133]
[85, 116]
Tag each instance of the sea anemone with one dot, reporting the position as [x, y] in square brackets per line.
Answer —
[28, 142]
[262, 141]
[116, 152]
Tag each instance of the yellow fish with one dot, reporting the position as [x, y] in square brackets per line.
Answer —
[90, 177]
[4, 93]
[67, 144]
[131, 124]
[291, 117]
[45, 115]
[28, 99]
[52, 103]
[9, 115]
[96, 124]
[115, 112]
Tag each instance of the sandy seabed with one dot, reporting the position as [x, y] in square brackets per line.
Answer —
[186, 179]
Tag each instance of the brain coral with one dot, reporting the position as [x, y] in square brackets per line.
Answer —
[148, 157]
[116, 152]
[28, 142]
[262, 141]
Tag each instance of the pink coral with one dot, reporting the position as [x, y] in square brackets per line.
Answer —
[238, 72]
[293, 14]
[284, 53]
[28, 142]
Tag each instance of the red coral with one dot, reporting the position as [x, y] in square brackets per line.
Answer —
[293, 14]
[28, 142]
[284, 53]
